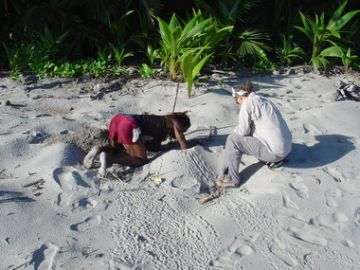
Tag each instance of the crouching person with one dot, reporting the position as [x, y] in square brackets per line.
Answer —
[261, 132]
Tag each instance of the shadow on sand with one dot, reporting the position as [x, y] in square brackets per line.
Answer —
[248, 171]
[328, 149]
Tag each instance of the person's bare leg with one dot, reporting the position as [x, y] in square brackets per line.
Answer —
[89, 159]
[91, 156]
[137, 156]
[103, 164]
[129, 161]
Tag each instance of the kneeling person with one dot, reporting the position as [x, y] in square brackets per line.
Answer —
[139, 133]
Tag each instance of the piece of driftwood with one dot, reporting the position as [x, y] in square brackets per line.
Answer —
[214, 193]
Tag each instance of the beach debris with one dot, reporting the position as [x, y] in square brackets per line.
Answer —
[115, 173]
[4, 175]
[317, 179]
[17, 199]
[244, 190]
[36, 185]
[176, 95]
[213, 132]
[348, 91]
[276, 72]
[156, 179]
[222, 72]
[214, 193]
[13, 105]
[109, 175]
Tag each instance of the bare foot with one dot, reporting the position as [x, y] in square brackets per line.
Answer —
[90, 157]
[224, 183]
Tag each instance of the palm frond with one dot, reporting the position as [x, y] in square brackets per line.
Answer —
[251, 42]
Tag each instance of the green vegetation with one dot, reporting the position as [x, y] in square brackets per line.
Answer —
[263, 64]
[289, 52]
[321, 34]
[71, 38]
[191, 64]
[177, 40]
[146, 71]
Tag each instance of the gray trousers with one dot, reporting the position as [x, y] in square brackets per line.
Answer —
[237, 145]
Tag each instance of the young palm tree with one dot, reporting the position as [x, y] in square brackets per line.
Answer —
[176, 38]
[321, 33]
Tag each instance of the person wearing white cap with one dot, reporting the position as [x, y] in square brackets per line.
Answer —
[261, 132]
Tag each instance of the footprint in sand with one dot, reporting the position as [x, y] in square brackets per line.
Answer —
[309, 234]
[300, 233]
[84, 204]
[336, 221]
[44, 256]
[228, 257]
[348, 243]
[88, 223]
[183, 182]
[338, 177]
[70, 181]
[357, 216]
[287, 202]
[278, 248]
[300, 188]
[331, 196]
[320, 230]
[313, 130]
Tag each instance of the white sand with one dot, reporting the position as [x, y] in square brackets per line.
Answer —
[56, 214]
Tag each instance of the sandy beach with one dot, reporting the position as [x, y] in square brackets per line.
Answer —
[56, 214]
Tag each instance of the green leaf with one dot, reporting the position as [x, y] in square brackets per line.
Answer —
[191, 64]
[332, 51]
[341, 22]
[200, 65]
[336, 15]
[335, 33]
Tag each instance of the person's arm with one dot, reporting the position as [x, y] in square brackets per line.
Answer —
[244, 126]
[179, 135]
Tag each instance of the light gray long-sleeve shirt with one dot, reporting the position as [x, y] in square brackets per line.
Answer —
[260, 118]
